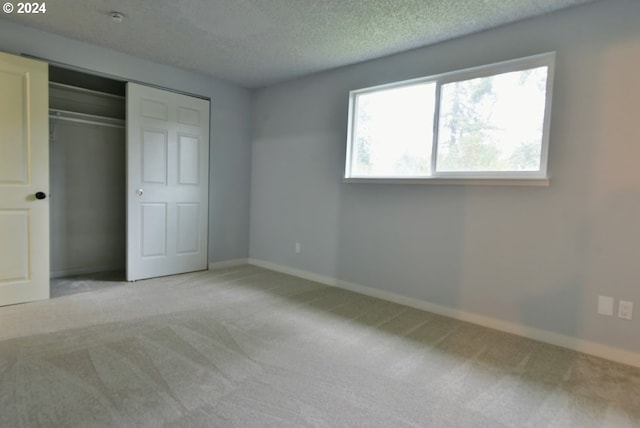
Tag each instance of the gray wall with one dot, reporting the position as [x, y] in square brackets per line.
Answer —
[537, 257]
[230, 117]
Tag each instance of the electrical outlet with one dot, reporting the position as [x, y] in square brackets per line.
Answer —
[298, 248]
[605, 305]
[625, 309]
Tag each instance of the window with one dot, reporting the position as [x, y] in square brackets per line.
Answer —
[488, 122]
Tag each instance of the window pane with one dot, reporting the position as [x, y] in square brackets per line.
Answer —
[393, 132]
[492, 123]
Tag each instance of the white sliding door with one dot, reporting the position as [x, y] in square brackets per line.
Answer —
[24, 180]
[167, 182]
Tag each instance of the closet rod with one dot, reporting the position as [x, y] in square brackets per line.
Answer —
[90, 119]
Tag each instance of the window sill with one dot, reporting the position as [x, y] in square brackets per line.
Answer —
[535, 182]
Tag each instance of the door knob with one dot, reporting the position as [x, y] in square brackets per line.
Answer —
[140, 192]
[41, 195]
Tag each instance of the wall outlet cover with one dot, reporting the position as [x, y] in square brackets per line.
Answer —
[625, 309]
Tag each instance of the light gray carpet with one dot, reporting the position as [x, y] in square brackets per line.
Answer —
[246, 347]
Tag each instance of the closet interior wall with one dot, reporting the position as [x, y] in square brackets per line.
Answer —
[87, 174]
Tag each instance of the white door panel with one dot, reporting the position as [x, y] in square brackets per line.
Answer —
[188, 239]
[24, 171]
[167, 179]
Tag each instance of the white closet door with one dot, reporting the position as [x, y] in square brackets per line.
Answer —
[167, 182]
[24, 180]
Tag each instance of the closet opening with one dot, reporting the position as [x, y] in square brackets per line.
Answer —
[87, 144]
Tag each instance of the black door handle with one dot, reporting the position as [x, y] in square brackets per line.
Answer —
[41, 195]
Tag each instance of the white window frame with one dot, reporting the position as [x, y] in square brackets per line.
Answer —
[539, 177]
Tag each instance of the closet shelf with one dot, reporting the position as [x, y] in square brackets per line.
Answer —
[90, 119]
[80, 90]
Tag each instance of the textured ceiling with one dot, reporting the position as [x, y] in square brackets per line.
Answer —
[256, 43]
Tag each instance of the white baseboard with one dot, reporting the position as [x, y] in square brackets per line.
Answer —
[228, 264]
[295, 272]
[574, 343]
